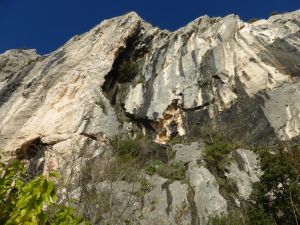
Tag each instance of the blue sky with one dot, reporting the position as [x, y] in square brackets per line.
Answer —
[47, 24]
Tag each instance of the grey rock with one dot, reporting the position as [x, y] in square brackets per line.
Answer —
[207, 197]
[215, 73]
[188, 153]
[245, 171]
[167, 203]
[282, 108]
[13, 61]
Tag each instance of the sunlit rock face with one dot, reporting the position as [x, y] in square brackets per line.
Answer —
[213, 64]
[59, 111]
[204, 69]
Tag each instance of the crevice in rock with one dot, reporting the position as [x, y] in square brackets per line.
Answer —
[13, 84]
[200, 107]
[89, 136]
[115, 89]
[34, 152]
[195, 220]
[165, 186]
[110, 87]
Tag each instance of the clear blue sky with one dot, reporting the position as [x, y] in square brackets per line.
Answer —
[48, 24]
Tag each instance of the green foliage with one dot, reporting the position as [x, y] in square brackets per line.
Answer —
[227, 185]
[258, 216]
[225, 219]
[153, 166]
[254, 216]
[27, 202]
[11, 182]
[127, 71]
[139, 147]
[278, 192]
[216, 156]
[275, 199]
[30, 201]
[176, 140]
[65, 216]
[172, 171]
[131, 155]
[145, 187]
[124, 167]
[125, 146]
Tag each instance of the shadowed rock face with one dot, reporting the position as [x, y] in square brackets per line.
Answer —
[213, 74]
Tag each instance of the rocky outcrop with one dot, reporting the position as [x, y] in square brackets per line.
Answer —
[205, 73]
[60, 111]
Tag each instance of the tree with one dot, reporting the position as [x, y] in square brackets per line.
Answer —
[278, 192]
[24, 201]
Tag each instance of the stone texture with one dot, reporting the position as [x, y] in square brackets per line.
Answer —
[188, 153]
[166, 204]
[245, 171]
[13, 61]
[207, 197]
[60, 97]
[210, 64]
[214, 73]
[282, 108]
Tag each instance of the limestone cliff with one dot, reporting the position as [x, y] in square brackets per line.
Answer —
[219, 74]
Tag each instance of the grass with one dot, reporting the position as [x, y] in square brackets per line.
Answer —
[172, 171]
[225, 219]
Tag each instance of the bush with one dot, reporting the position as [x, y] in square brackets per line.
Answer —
[124, 167]
[125, 146]
[172, 171]
[216, 156]
[258, 216]
[153, 166]
[28, 202]
[127, 71]
[226, 219]
[139, 147]
[278, 192]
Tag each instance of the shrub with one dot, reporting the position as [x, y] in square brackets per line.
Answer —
[153, 166]
[258, 216]
[216, 156]
[139, 147]
[125, 146]
[127, 71]
[145, 187]
[278, 192]
[225, 219]
[124, 167]
[227, 185]
[27, 202]
[172, 171]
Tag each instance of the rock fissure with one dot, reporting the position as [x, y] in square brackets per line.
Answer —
[165, 186]
[195, 220]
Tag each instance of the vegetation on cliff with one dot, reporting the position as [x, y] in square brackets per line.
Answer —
[24, 201]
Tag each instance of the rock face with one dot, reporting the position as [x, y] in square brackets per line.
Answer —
[60, 111]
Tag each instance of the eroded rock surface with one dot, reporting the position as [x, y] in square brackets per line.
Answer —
[60, 111]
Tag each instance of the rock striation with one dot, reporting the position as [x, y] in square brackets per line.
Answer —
[216, 74]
